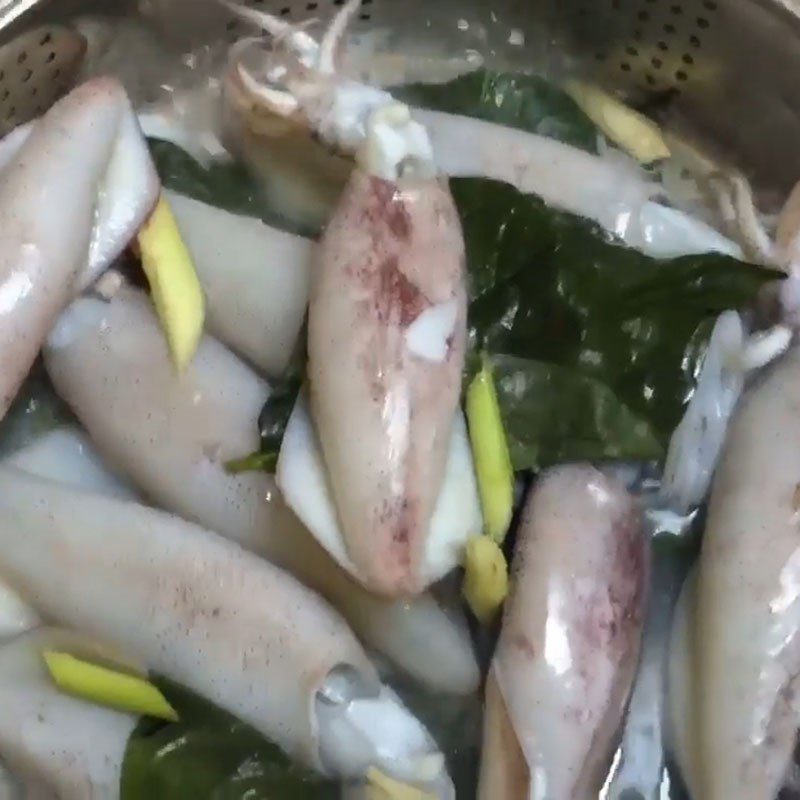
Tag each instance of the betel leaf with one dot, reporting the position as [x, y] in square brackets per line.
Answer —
[275, 415]
[528, 102]
[224, 184]
[554, 414]
[553, 288]
[627, 331]
[210, 754]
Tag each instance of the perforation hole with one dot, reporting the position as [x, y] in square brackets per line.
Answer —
[665, 36]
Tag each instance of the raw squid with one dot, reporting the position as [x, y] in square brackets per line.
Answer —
[681, 731]
[66, 455]
[306, 489]
[53, 744]
[610, 189]
[387, 312]
[76, 186]
[255, 279]
[747, 616]
[207, 614]
[693, 455]
[177, 436]
[570, 639]
[386, 342]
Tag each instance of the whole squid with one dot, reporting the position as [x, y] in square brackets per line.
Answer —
[387, 331]
[200, 610]
[109, 361]
[76, 185]
[569, 644]
[387, 312]
[609, 188]
[745, 625]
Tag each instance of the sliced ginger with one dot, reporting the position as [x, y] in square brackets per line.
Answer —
[175, 287]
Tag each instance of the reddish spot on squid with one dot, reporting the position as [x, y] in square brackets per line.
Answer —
[397, 295]
[388, 206]
[524, 645]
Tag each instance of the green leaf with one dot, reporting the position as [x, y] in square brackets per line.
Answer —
[553, 288]
[255, 462]
[210, 754]
[275, 414]
[627, 331]
[554, 414]
[223, 184]
[527, 102]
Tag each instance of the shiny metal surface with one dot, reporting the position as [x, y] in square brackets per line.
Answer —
[726, 71]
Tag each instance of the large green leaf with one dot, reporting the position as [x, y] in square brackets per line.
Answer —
[224, 184]
[613, 339]
[210, 755]
[554, 414]
[521, 101]
[550, 287]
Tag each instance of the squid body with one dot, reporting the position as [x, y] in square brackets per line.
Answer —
[740, 637]
[569, 645]
[76, 185]
[110, 362]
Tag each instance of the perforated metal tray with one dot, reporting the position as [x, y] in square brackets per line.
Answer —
[726, 71]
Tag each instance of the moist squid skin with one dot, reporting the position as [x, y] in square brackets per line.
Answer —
[569, 645]
[386, 343]
[56, 747]
[110, 362]
[76, 185]
[182, 600]
[746, 620]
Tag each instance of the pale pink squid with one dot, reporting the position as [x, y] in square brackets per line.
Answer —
[569, 646]
[76, 186]
[387, 323]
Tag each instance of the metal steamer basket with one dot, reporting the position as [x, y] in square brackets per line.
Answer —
[724, 73]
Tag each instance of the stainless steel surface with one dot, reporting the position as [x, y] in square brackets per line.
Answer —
[727, 71]
[35, 69]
